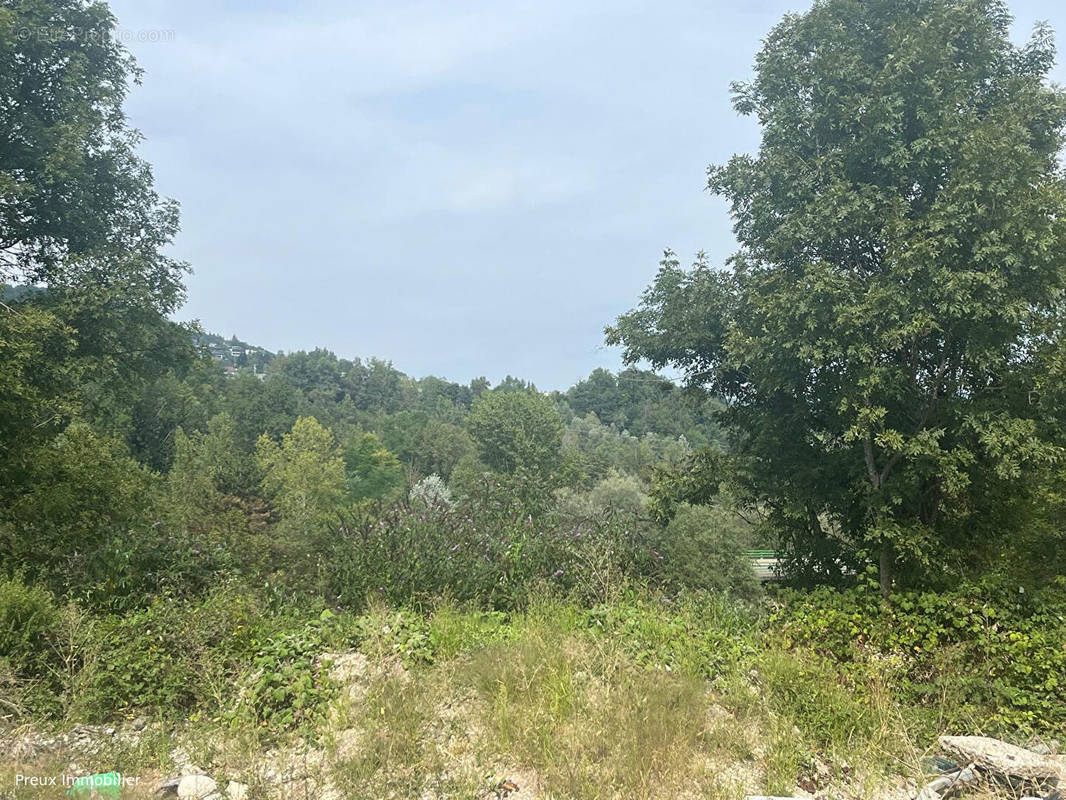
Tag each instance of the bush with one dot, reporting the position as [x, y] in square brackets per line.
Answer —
[617, 494]
[175, 657]
[977, 655]
[491, 552]
[29, 623]
[286, 688]
[700, 636]
[702, 549]
[28, 616]
[431, 491]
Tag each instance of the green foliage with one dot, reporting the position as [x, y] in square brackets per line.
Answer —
[140, 660]
[386, 634]
[619, 494]
[371, 471]
[699, 636]
[599, 450]
[304, 474]
[998, 657]
[77, 205]
[441, 446]
[453, 631]
[228, 655]
[211, 464]
[29, 648]
[84, 490]
[261, 407]
[898, 292]
[285, 687]
[518, 432]
[37, 385]
[642, 402]
[703, 548]
[491, 552]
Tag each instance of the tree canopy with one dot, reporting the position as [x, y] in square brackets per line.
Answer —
[886, 334]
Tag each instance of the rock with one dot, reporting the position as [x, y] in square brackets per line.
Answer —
[940, 785]
[139, 724]
[236, 791]
[1004, 760]
[191, 769]
[197, 787]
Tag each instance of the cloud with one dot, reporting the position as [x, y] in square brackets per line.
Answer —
[467, 188]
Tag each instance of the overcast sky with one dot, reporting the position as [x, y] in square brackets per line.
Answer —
[464, 188]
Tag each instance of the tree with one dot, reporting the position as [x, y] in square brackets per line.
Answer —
[703, 548]
[77, 207]
[884, 335]
[441, 446]
[81, 495]
[304, 474]
[80, 222]
[371, 471]
[517, 429]
[431, 492]
[37, 387]
[259, 407]
[598, 394]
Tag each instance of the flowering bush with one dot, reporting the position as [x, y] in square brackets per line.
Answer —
[491, 550]
[431, 491]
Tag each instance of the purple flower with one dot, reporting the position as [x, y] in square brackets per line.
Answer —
[557, 573]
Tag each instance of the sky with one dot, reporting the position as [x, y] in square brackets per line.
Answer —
[467, 188]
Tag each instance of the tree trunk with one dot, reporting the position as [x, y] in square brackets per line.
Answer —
[888, 561]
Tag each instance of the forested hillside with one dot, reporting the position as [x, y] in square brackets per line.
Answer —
[231, 572]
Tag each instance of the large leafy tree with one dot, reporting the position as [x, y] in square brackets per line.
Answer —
[77, 205]
[371, 472]
[884, 333]
[518, 434]
[81, 222]
[304, 474]
[517, 430]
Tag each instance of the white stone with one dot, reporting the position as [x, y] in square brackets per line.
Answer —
[196, 787]
[1003, 759]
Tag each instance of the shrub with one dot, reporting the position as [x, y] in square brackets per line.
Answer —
[976, 655]
[175, 657]
[490, 552]
[701, 549]
[618, 494]
[285, 687]
[431, 491]
[705, 637]
[29, 622]
[139, 660]
[28, 616]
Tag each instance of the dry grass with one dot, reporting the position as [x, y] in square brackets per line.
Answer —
[560, 709]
